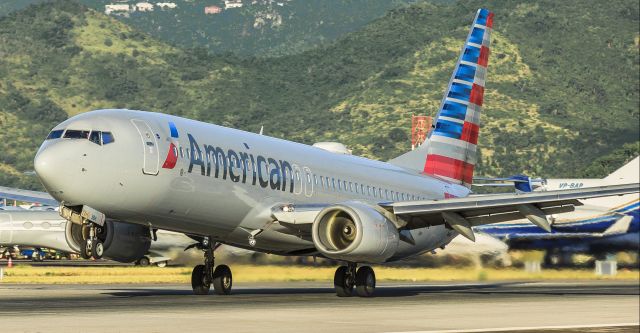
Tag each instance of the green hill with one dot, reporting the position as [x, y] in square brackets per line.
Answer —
[258, 28]
[562, 88]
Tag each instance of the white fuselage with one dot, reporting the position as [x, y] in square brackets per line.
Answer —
[224, 182]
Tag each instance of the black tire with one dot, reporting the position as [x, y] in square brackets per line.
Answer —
[342, 284]
[222, 280]
[365, 281]
[144, 261]
[85, 252]
[199, 281]
[97, 249]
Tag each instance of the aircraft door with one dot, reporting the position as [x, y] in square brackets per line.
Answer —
[150, 146]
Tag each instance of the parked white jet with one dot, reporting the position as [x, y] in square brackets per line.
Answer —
[271, 195]
[46, 229]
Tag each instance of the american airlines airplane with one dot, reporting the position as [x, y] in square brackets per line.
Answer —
[222, 185]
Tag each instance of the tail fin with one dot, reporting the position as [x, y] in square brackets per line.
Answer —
[627, 174]
[451, 153]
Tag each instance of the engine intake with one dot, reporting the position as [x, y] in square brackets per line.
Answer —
[123, 242]
[354, 231]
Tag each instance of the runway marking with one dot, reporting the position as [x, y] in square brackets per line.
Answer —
[523, 328]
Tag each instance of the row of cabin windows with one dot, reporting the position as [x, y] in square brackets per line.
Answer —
[331, 184]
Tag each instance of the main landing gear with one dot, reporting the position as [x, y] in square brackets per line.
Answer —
[92, 246]
[203, 276]
[346, 277]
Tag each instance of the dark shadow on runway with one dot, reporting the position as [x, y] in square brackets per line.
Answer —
[383, 291]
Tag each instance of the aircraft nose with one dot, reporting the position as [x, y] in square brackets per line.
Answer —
[52, 167]
[45, 163]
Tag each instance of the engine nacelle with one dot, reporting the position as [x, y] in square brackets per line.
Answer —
[123, 242]
[354, 231]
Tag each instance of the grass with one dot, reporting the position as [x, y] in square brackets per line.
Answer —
[270, 273]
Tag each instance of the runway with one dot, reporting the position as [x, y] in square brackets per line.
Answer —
[312, 307]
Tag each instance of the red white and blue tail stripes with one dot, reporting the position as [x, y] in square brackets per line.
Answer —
[452, 144]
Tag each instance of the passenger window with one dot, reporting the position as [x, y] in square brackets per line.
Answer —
[402, 196]
[55, 134]
[107, 138]
[339, 185]
[356, 187]
[368, 190]
[76, 134]
[386, 194]
[333, 183]
[95, 137]
[375, 195]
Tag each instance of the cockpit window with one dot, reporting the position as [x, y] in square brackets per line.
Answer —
[76, 134]
[55, 134]
[95, 137]
[107, 138]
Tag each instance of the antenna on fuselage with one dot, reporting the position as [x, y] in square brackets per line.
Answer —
[261, 129]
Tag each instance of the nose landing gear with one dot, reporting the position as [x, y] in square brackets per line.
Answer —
[204, 275]
[92, 246]
[346, 277]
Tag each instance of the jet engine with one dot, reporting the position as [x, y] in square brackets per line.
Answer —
[354, 231]
[123, 242]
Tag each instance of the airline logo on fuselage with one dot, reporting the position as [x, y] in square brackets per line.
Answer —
[239, 166]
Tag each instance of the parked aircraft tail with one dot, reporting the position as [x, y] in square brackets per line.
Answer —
[451, 147]
[627, 174]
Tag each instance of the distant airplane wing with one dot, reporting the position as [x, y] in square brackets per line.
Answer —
[27, 196]
[620, 227]
[463, 213]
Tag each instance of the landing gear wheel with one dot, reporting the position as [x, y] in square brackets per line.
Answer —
[365, 281]
[199, 281]
[342, 282]
[161, 264]
[97, 249]
[222, 280]
[85, 249]
[144, 261]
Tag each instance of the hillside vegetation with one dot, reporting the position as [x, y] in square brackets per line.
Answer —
[259, 28]
[562, 88]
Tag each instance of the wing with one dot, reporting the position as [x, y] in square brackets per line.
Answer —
[28, 196]
[463, 213]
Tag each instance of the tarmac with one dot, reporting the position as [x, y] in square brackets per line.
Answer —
[312, 307]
